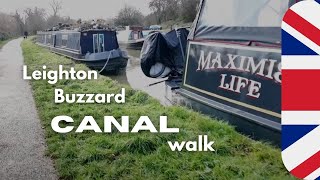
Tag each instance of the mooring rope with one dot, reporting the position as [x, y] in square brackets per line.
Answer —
[104, 67]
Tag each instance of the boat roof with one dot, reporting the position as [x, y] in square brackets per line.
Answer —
[246, 20]
[98, 30]
[77, 31]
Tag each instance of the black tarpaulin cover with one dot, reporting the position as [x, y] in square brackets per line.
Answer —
[164, 49]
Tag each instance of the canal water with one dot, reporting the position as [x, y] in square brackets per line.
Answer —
[134, 77]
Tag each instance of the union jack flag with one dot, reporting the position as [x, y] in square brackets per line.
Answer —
[301, 89]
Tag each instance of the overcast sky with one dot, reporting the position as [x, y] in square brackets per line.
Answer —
[85, 9]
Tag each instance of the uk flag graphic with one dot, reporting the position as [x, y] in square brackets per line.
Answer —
[301, 89]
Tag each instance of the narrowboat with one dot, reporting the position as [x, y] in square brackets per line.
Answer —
[232, 65]
[97, 48]
[132, 37]
[155, 27]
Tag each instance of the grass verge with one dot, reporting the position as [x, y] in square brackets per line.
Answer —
[144, 155]
[2, 43]
[172, 23]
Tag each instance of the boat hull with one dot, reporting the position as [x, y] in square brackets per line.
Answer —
[236, 83]
[136, 45]
[115, 64]
[251, 125]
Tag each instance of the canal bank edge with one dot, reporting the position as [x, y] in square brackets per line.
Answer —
[2, 43]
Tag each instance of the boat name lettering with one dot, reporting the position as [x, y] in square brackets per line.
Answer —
[218, 61]
[215, 61]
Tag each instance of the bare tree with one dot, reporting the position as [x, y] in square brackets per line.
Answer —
[56, 6]
[165, 9]
[158, 7]
[129, 16]
[189, 10]
[20, 23]
[35, 19]
[54, 18]
[8, 26]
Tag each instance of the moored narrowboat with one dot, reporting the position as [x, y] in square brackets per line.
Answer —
[132, 37]
[232, 67]
[97, 48]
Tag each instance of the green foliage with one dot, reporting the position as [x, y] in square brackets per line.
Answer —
[142, 155]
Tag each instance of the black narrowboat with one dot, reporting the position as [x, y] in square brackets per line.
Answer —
[97, 48]
[232, 65]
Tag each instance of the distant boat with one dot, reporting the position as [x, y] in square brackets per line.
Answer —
[97, 48]
[146, 33]
[155, 27]
[132, 37]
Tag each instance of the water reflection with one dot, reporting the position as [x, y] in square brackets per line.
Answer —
[134, 77]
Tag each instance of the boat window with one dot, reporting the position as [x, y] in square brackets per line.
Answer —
[49, 39]
[95, 43]
[130, 36]
[244, 13]
[135, 35]
[101, 42]
[98, 43]
[64, 40]
[54, 40]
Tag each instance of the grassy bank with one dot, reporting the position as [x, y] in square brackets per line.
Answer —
[171, 24]
[2, 43]
[144, 155]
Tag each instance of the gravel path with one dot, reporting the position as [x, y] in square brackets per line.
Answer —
[22, 144]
